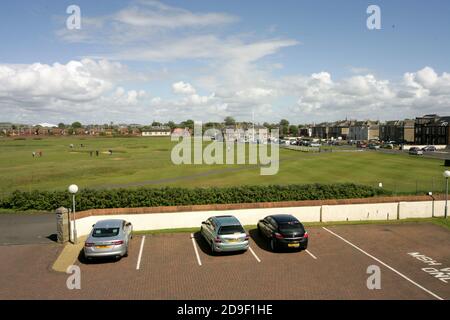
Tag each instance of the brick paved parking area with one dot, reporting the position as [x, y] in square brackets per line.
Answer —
[413, 259]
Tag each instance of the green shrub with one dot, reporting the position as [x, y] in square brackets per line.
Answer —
[167, 196]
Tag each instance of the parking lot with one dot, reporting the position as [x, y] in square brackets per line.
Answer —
[410, 256]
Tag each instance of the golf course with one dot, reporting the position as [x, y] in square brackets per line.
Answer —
[146, 162]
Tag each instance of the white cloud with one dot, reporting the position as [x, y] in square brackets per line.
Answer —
[141, 22]
[75, 81]
[183, 88]
[170, 18]
[80, 89]
[368, 97]
[94, 91]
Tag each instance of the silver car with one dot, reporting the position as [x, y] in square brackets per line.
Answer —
[224, 233]
[108, 238]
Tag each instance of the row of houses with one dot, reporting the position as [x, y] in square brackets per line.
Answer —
[427, 130]
[430, 129]
[10, 129]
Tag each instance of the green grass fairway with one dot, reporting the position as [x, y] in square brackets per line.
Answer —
[146, 162]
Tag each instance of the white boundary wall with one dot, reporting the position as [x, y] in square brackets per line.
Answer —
[326, 213]
[438, 147]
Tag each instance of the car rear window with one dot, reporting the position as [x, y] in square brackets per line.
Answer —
[291, 226]
[231, 230]
[105, 232]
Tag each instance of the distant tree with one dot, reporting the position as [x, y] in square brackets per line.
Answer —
[229, 121]
[293, 130]
[284, 123]
[284, 127]
[171, 125]
[188, 124]
[61, 125]
[270, 125]
[156, 124]
[77, 125]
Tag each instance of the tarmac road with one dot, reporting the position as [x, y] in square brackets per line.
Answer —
[34, 228]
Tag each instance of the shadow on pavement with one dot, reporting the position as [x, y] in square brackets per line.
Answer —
[104, 260]
[206, 247]
[263, 243]
[53, 237]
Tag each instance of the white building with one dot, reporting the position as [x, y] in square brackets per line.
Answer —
[156, 132]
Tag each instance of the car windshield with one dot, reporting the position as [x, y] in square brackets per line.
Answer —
[291, 226]
[231, 230]
[105, 232]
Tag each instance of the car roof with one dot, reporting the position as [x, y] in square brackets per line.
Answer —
[280, 218]
[110, 223]
[226, 221]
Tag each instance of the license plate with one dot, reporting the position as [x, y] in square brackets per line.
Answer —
[294, 245]
[233, 240]
[103, 247]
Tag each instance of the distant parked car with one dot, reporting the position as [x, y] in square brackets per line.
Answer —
[387, 146]
[374, 146]
[315, 144]
[108, 238]
[429, 149]
[224, 233]
[361, 145]
[283, 231]
[415, 151]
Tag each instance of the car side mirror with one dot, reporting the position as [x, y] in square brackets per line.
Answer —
[203, 222]
[93, 225]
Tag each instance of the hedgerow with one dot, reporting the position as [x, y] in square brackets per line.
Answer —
[169, 196]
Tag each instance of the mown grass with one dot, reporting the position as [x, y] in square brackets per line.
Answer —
[147, 162]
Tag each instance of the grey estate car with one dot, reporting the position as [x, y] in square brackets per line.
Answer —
[108, 238]
[224, 233]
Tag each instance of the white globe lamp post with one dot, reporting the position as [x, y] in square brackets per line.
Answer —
[73, 189]
[446, 176]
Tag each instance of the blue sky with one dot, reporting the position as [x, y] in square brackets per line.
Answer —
[146, 60]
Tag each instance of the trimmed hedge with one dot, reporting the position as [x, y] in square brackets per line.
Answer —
[155, 197]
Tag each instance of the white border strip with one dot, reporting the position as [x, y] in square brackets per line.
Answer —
[138, 265]
[254, 254]
[196, 250]
[313, 256]
[384, 264]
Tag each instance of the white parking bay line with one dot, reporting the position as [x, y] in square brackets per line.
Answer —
[138, 265]
[313, 256]
[384, 264]
[254, 254]
[195, 249]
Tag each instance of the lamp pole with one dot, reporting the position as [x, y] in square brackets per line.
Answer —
[446, 175]
[73, 189]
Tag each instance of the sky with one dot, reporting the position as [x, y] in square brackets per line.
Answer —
[140, 61]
